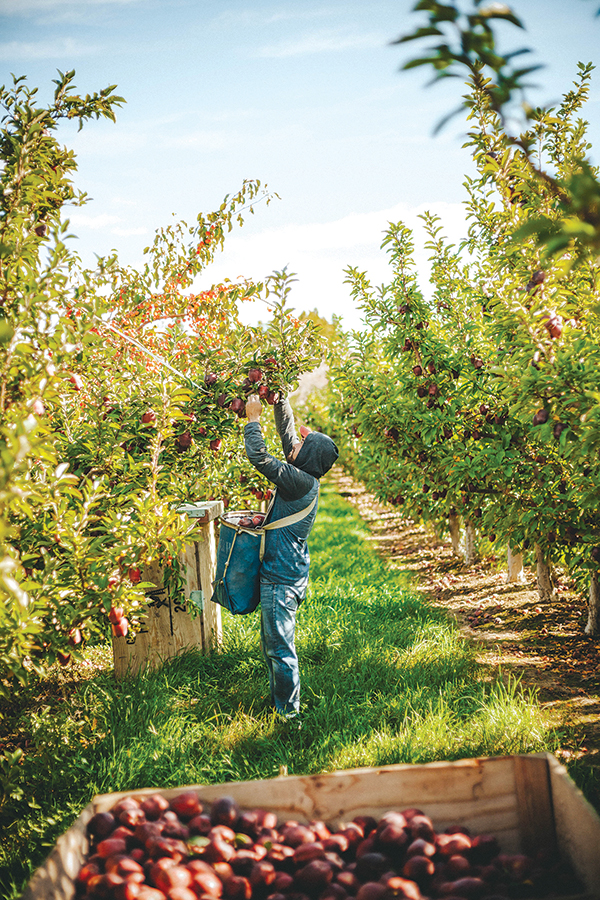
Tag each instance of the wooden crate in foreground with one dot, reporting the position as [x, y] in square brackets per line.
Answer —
[528, 802]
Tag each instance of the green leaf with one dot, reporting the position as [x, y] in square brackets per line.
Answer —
[6, 331]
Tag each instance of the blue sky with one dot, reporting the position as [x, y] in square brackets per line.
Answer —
[305, 95]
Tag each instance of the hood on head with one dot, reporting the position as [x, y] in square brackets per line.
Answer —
[317, 454]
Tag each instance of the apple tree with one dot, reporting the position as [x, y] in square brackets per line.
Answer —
[121, 393]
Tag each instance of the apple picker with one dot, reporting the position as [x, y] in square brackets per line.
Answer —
[284, 569]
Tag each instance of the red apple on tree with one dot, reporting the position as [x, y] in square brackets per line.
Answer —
[536, 279]
[75, 637]
[184, 441]
[215, 444]
[149, 417]
[120, 628]
[553, 324]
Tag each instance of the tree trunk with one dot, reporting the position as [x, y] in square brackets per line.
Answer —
[545, 584]
[514, 563]
[471, 555]
[454, 525]
[593, 622]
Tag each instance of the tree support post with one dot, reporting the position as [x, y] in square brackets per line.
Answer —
[471, 555]
[173, 624]
[545, 584]
[514, 567]
[454, 527]
[593, 622]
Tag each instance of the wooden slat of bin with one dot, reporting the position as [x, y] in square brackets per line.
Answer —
[534, 801]
[479, 793]
[55, 879]
[458, 790]
[206, 566]
[577, 826]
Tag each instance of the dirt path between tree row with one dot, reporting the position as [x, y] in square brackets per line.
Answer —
[545, 646]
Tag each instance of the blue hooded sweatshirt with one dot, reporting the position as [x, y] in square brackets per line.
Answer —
[286, 558]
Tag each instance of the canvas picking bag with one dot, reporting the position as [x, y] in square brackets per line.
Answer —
[239, 555]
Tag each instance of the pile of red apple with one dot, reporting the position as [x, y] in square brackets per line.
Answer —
[151, 849]
[250, 521]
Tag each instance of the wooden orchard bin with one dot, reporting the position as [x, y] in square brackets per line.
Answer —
[168, 628]
[528, 802]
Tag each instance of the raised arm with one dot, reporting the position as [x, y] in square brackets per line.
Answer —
[284, 422]
[291, 481]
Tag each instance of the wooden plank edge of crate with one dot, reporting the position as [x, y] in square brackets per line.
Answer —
[55, 878]
[577, 826]
[534, 804]
[326, 796]
[204, 512]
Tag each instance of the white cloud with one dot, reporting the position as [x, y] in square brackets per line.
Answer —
[321, 42]
[63, 47]
[102, 221]
[128, 232]
[320, 252]
[25, 7]
[107, 223]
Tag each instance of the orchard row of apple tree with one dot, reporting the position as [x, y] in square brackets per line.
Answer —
[482, 400]
[121, 394]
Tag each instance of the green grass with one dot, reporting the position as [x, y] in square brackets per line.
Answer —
[385, 679]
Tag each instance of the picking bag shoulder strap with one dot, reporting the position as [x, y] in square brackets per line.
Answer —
[287, 520]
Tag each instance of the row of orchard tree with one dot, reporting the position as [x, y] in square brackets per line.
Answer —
[121, 392]
[481, 402]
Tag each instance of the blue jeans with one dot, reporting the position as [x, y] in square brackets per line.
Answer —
[278, 606]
